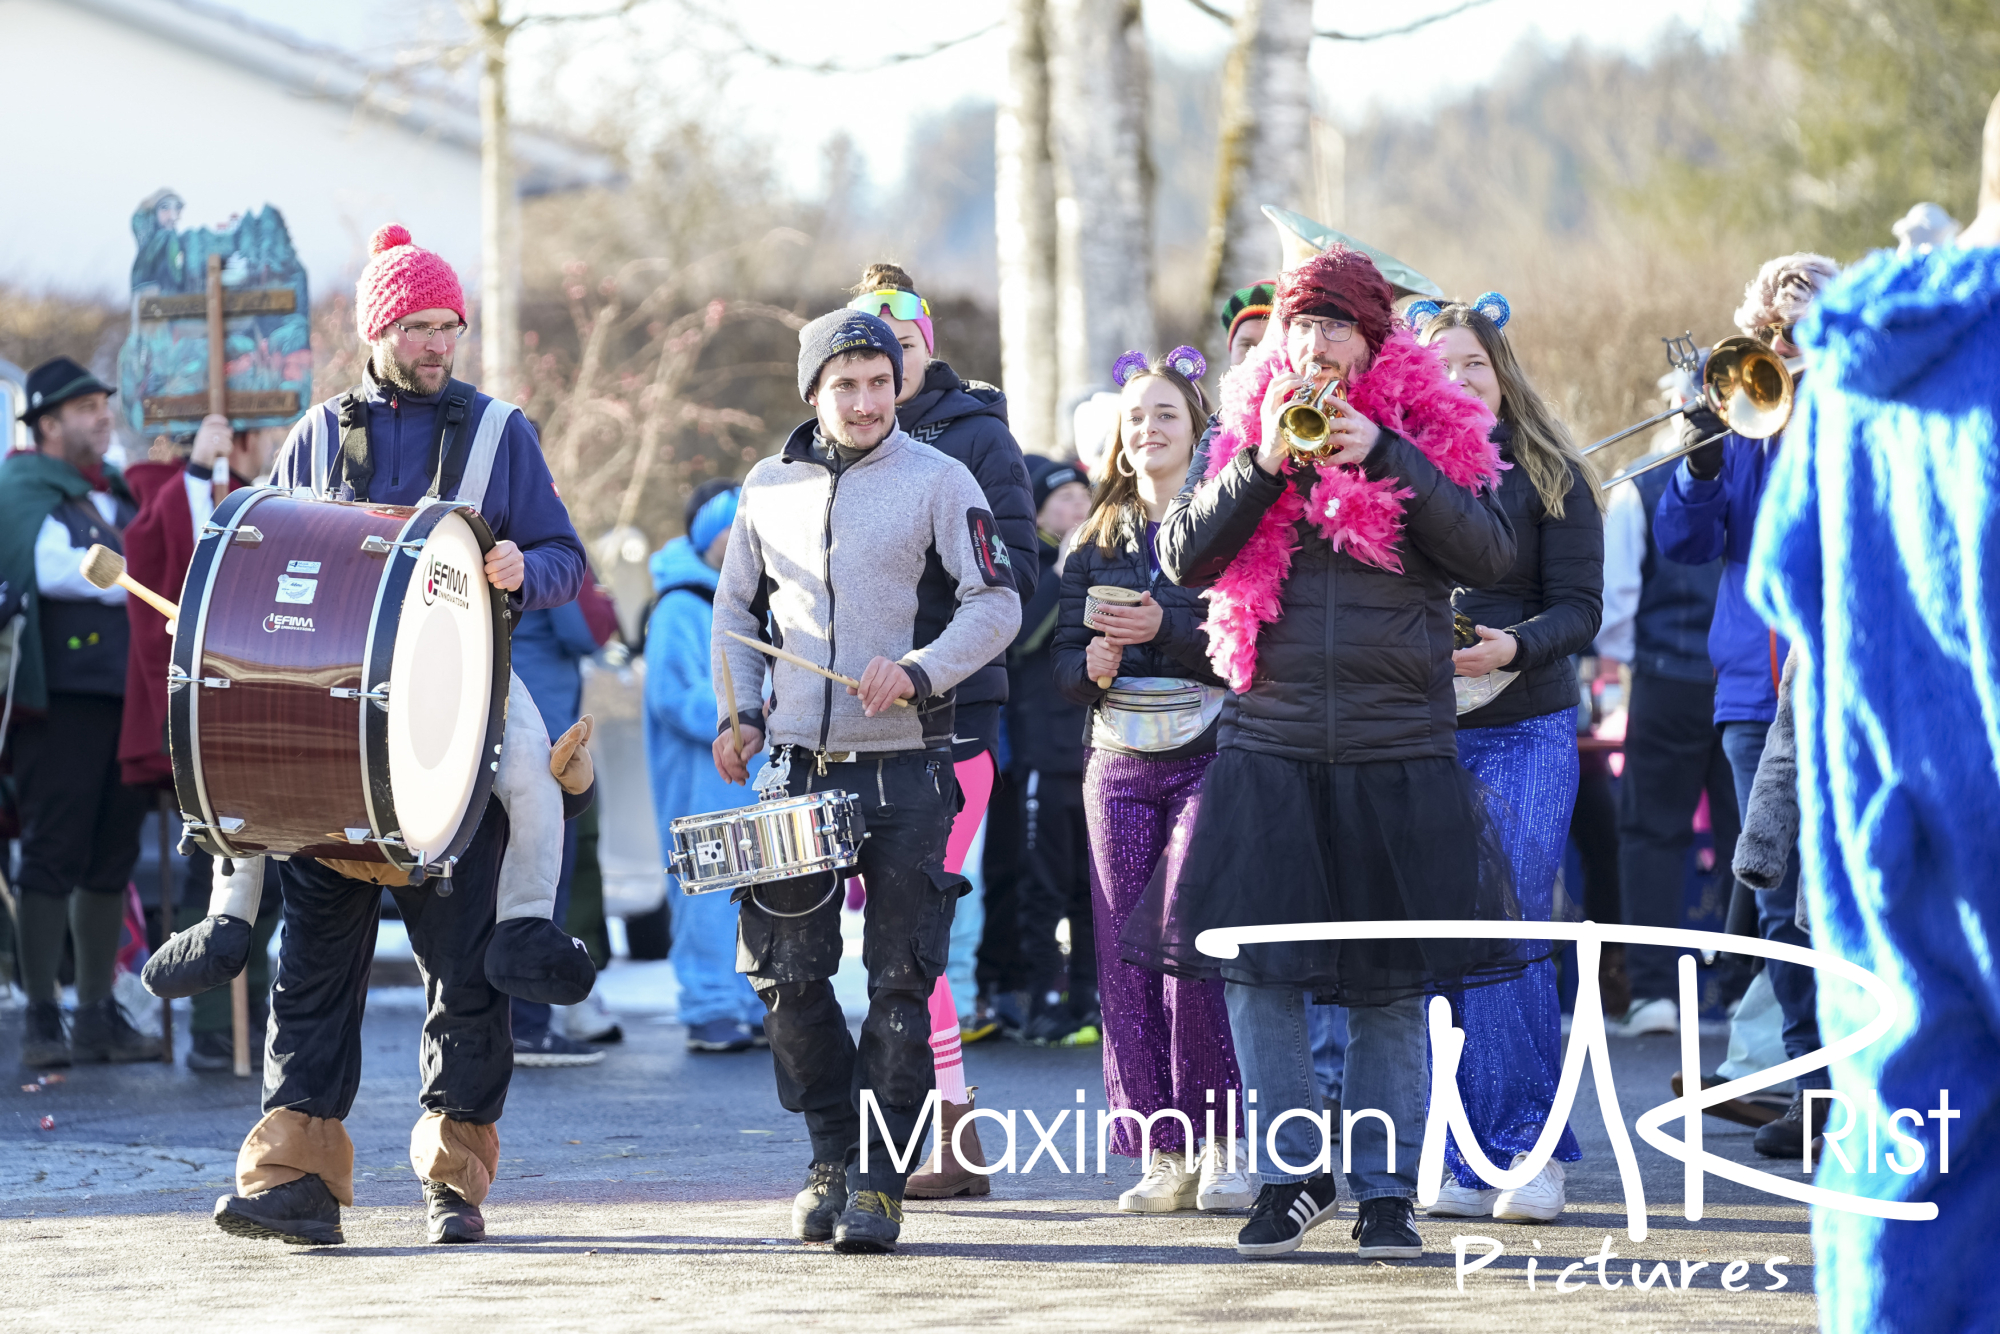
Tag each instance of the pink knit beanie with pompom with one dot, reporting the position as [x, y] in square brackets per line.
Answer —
[402, 278]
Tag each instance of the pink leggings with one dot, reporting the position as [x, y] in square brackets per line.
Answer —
[975, 780]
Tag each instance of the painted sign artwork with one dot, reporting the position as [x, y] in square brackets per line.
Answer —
[163, 368]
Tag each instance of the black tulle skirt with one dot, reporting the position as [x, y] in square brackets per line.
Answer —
[1283, 841]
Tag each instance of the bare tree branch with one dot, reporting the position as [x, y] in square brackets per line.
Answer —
[751, 47]
[1224, 16]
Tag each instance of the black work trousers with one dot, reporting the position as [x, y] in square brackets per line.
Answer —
[1673, 753]
[312, 1063]
[1055, 883]
[788, 943]
[79, 823]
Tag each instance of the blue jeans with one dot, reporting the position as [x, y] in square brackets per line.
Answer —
[1326, 1025]
[968, 924]
[704, 959]
[530, 1018]
[1387, 1066]
[1777, 914]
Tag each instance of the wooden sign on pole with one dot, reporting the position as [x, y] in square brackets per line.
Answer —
[220, 323]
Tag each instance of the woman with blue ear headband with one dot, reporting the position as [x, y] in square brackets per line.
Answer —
[1517, 735]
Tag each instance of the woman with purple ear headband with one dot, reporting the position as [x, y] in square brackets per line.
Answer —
[1155, 703]
[1517, 737]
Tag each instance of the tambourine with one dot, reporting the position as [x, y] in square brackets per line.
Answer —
[1102, 595]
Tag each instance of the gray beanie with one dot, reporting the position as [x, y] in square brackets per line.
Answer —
[844, 331]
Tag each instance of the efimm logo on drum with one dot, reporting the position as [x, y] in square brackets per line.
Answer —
[447, 581]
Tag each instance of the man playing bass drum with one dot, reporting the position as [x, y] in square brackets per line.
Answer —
[875, 555]
[411, 431]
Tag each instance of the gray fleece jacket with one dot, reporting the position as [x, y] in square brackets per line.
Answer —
[893, 555]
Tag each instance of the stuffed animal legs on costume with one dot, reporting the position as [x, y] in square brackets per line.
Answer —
[530, 956]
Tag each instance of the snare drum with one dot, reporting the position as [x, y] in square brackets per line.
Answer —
[773, 840]
[339, 681]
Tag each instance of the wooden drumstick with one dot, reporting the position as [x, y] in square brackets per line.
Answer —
[797, 661]
[729, 692]
[105, 568]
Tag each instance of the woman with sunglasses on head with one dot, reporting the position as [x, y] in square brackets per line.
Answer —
[966, 420]
[1154, 704]
[1517, 736]
[1335, 795]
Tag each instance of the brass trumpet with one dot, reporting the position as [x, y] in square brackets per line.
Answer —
[1304, 425]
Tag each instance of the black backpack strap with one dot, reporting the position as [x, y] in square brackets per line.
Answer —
[446, 471]
[355, 465]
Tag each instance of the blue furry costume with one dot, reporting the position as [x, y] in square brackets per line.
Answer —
[1878, 554]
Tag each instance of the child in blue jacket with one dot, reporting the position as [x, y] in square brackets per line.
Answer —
[720, 1010]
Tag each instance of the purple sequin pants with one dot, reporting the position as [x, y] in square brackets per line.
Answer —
[1513, 1030]
[1166, 1040]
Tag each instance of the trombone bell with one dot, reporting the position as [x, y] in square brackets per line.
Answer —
[1749, 386]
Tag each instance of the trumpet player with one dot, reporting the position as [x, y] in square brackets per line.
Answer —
[1709, 510]
[1335, 793]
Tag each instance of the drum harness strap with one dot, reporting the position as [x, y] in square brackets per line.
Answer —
[357, 466]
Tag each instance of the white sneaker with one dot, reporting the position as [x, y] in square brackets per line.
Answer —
[1220, 1187]
[1659, 1015]
[590, 1020]
[1540, 1201]
[1456, 1201]
[1168, 1185]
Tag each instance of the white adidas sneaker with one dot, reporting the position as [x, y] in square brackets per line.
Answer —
[1221, 1187]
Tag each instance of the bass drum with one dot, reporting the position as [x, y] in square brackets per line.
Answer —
[339, 681]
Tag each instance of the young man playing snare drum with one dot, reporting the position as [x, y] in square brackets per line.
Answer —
[871, 554]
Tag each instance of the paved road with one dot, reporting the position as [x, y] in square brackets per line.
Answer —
[653, 1189]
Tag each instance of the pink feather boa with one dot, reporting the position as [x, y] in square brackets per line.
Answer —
[1404, 390]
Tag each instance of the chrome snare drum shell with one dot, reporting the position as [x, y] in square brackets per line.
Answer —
[772, 840]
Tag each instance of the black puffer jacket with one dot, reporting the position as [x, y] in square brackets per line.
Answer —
[1180, 649]
[1553, 598]
[1044, 730]
[1357, 667]
[968, 421]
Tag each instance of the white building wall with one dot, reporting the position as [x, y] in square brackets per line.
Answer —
[96, 115]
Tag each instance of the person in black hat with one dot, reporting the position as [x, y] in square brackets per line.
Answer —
[66, 647]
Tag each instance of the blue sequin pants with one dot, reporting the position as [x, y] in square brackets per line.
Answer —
[1513, 1030]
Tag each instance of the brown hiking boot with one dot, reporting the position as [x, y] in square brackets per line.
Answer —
[945, 1174]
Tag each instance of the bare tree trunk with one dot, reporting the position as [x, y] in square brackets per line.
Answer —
[1104, 183]
[1265, 155]
[499, 208]
[1026, 213]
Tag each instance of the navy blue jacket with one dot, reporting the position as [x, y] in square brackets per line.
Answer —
[1698, 521]
[522, 505]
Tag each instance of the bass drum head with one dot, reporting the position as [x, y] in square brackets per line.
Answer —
[440, 687]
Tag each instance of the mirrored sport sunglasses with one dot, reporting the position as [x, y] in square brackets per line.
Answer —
[1771, 333]
[902, 305]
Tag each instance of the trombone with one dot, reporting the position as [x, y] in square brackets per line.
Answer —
[1744, 383]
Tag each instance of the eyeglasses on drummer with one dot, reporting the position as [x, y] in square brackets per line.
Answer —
[417, 332]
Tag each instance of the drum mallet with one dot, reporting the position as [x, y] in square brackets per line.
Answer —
[797, 661]
[105, 568]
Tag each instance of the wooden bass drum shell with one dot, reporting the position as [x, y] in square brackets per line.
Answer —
[292, 756]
